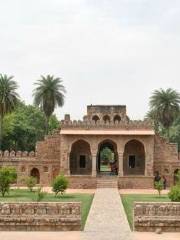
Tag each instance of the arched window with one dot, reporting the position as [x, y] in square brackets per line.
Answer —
[35, 173]
[95, 118]
[117, 119]
[106, 119]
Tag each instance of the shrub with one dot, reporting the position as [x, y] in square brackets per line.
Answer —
[40, 194]
[177, 178]
[30, 182]
[158, 185]
[60, 184]
[8, 176]
[174, 193]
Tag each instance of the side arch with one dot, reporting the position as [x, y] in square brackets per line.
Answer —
[80, 158]
[134, 158]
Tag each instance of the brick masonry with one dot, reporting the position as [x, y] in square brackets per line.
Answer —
[40, 216]
[60, 153]
[148, 217]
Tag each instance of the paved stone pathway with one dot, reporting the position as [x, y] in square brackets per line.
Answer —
[107, 219]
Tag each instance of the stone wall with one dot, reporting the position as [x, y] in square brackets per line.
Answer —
[49, 148]
[166, 159]
[40, 216]
[135, 182]
[148, 217]
[82, 182]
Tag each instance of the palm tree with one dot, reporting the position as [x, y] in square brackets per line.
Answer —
[49, 94]
[8, 98]
[165, 105]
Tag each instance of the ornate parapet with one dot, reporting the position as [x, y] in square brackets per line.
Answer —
[40, 216]
[124, 125]
[148, 217]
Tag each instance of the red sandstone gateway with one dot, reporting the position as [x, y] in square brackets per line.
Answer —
[77, 149]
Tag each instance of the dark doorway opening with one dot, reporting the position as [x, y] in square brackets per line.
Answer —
[35, 173]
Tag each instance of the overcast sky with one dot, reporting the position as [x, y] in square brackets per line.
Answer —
[106, 51]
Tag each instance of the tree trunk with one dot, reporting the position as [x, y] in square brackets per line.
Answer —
[47, 125]
[1, 131]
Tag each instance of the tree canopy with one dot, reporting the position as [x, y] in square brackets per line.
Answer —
[8, 98]
[24, 127]
[48, 94]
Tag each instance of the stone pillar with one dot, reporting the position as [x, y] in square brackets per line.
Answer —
[120, 171]
[68, 163]
[94, 170]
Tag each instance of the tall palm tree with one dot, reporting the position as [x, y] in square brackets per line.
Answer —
[165, 104]
[8, 98]
[49, 94]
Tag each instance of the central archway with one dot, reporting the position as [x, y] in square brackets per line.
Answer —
[107, 158]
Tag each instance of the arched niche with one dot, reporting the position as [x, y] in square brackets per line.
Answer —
[117, 119]
[35, 173]
[106, 119]
[95, 118]
[177, 171]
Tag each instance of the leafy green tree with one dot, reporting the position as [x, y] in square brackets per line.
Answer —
[60, 184]
[158, 185]
[107, 155]
[174, 193]
[49, 94]
[8, 176]
[24, 127]
[8, 98]
[40, 194]
[30, 182]
[164, 104]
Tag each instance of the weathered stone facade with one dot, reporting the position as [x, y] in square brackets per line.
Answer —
[75, 151]
[148, 217]
[40, 216]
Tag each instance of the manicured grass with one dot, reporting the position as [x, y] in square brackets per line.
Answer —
[21, 195]
[129, 199]
[105, 168]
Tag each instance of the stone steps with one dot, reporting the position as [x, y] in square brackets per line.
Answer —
[107, 183]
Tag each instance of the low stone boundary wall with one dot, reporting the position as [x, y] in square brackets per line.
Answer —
[148, 217]
[135, 182]
[40, 216]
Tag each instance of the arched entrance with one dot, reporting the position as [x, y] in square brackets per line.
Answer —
[176, 178]
[35, 173]
[107, 158]
[134, 158]
[80, 158]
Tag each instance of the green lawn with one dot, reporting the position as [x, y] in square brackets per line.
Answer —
[129, 199]
[19, 195]
[105, 168]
